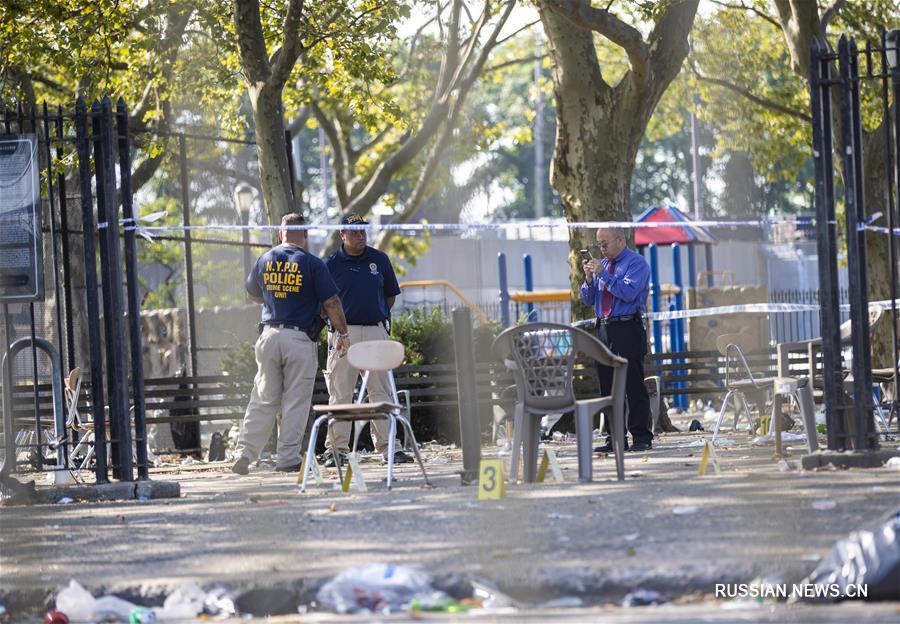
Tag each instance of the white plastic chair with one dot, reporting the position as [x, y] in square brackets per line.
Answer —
[373, 356]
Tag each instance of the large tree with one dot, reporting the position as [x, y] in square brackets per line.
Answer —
[774, 116]
[371, 151]
[332, 36]
[600, 124]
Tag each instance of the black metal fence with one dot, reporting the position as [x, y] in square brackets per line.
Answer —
[89, 317]
[802, 324]
[836, 82]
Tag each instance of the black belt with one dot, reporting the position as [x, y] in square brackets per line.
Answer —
[618, 319]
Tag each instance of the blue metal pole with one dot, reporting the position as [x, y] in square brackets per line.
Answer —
[654, 297]
[530, 314]
[679, 296]
[504, 289]
[681, 399]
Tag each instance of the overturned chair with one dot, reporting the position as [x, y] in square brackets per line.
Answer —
[739, 378]
[371, 356]
[542, 359]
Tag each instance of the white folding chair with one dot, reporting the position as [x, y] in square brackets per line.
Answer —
[372, 356]
[396, 396]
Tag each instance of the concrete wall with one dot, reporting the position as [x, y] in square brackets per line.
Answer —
[703, 331]
[166, 345]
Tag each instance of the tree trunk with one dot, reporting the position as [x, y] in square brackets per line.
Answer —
[877, 258]
[275, 180]
[598, 133]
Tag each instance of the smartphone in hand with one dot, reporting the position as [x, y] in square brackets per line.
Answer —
[585, 255]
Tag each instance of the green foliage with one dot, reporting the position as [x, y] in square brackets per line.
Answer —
[409, 249]
[240, 360]
[427, 336]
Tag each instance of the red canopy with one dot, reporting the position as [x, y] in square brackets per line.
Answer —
[681, 233]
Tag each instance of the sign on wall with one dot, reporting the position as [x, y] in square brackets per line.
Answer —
[21, 256]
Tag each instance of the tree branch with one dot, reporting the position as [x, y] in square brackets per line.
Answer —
[601, 21]
[337, 150]
[829, 14]
[517, 31]
[761, 101]
[251, 41]
[284, 59]
[410, 55]
[299, 121]
[743, 7]
[518, 61]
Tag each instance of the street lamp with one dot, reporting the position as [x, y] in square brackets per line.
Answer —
[243, 200]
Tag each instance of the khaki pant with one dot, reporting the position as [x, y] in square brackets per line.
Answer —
[286, 365]
[341, 380]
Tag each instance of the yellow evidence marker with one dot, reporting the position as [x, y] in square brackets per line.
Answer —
[354, 475]
[316, 470]
[549, 461]
[491, 484]
[709, 455]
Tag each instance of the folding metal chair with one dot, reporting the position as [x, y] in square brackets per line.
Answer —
[739, 378]
[83, 429]
[372, 356]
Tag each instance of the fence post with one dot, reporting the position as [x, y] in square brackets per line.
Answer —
[188, 254]
[114, 309]
[90, 286]
[826, 238]
[134, 308]
[504, 289]
[893, 39]
[530, 314]
[851, 132]
[467, 393]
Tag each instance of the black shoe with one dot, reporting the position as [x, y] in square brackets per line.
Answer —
[402, 458]
[640, 447]
[292, 468]
[241, 466]
[329, 463]
[608, 447]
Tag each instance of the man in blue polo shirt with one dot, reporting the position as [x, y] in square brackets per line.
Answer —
[617, 287]
[367, 286]
[294, 287]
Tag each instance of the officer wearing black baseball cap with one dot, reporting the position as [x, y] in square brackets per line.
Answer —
[368, 287]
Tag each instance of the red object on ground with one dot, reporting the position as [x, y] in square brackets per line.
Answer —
[56, 617]
[681, 231]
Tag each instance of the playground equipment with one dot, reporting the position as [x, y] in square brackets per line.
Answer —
[482, 317]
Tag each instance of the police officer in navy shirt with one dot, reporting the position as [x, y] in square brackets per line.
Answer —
[294, 288]
[367, 286]
[617, 287]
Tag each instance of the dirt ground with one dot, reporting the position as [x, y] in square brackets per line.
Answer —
[664, 528]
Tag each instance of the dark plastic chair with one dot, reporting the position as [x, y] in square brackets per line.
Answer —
[542, 359]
